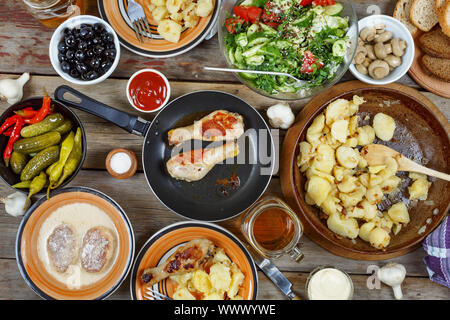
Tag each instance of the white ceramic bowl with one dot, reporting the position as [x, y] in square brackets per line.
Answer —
[398, 30]
[165, 81]
[72, 23]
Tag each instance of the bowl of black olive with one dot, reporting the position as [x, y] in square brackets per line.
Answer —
[84, 50]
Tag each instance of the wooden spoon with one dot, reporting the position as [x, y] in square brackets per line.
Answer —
[375, 155]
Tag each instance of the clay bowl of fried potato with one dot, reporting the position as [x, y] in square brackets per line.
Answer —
[421, 134]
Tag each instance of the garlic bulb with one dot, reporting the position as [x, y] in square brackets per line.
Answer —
[393, 275]
[280, 116]
[16, 204]
[12, 89]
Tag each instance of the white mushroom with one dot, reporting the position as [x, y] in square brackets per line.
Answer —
[280, 116]
[12, 89]
[393, 275]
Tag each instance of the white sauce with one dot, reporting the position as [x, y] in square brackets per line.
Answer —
[81, 217]
[120, 162]
[329, 284]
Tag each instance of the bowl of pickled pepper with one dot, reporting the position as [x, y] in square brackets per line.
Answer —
[45, 145]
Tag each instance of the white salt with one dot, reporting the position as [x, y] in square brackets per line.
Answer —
[120, 162]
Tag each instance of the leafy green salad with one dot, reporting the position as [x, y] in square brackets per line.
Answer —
[305, 38]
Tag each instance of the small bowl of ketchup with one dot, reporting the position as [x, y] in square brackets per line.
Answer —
[148, 90]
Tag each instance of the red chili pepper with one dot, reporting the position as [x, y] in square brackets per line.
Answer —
[305, 2]
[27, 113]
[15, 135]
[8, 131]
[8, 123]
[42, 112]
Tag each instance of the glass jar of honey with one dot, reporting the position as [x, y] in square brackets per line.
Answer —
[273, 229]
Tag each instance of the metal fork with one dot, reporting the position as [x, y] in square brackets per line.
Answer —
[139, 20]
[155, 295]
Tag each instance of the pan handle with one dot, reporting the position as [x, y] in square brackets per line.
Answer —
[126, 121]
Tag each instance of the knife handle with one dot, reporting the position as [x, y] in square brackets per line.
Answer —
[296, 298]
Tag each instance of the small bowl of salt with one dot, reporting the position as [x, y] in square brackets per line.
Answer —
[121, 163]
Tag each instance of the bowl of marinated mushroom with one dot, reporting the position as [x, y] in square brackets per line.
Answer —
[385, 50]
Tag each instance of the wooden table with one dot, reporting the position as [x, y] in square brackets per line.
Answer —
[24, 47]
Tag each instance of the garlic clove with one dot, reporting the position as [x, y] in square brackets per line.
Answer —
[393, 275]
[16, 204]
[12, 89]
[280, 116]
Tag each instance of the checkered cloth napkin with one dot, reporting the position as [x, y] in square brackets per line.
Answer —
[437, 246]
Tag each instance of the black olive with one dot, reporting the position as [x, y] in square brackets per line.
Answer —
[67, 31]
[98, 27]
[86, 32]
[111, 45]
[70, 41]
[76, 32]
[94, 63]
[82, 45]
[74, 73]
[106, 37]
[91, 75]
[84, 25]
[62, 46]
[81, 68]
[80, 55]
[65, 66]
[90, 53]
[110, 53]
[98, 49]
[105, 65]
[70, 54]
[97, 40]
[84, 76]
[62, 57]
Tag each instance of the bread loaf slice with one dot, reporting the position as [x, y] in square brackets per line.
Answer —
[439, 5]
[438, 67]
[435, 43]
[444, 18]
[401, 13]
[423, 14]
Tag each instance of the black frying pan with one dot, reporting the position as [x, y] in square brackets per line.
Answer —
[205, 199]
[6, 173]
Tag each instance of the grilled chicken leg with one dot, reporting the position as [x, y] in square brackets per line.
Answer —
[195, 164]
[187, 257]
[217, 126]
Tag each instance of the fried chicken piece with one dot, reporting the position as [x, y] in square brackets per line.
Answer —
[186, 258]
[217, 126]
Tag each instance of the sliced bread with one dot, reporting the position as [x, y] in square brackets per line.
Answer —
[401, 13]
[439, 5]
[423, 14]
[436, 66]
[435, 43]
[444, 17]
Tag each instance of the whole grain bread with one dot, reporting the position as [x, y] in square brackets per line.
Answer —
[435, 43]
[444, 17]
[423, 14]
[438, 67]
[401, 13]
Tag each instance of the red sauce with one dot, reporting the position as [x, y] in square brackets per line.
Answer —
[148, 91]
[218, 125]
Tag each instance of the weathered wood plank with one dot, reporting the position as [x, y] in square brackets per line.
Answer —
[24, 47]
[148, 215]
[103, 136]
[12, 286]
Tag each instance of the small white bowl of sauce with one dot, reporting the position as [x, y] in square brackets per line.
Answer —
[148, 90]
[329, 283]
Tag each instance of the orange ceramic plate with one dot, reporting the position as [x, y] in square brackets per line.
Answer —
[115, 13]
[163, 243]
[34, 271]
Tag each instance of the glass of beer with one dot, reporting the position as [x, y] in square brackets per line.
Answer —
[51, 13]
